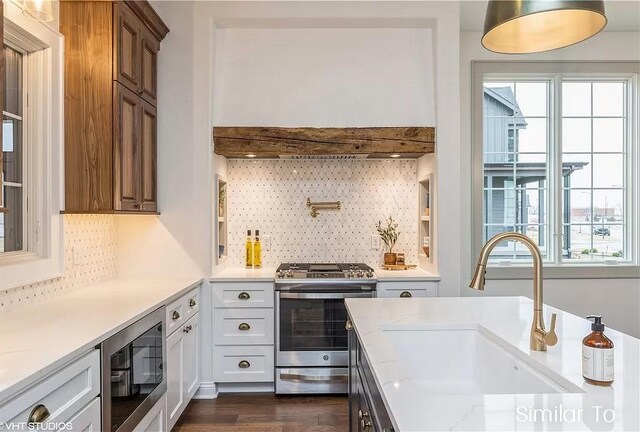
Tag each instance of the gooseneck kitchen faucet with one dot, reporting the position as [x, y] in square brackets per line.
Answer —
[540, 338]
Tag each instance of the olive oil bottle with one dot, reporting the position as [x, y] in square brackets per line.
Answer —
[249, 250]
[257, 251]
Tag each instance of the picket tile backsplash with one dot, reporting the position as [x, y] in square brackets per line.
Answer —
[94, 239]
[270, 195]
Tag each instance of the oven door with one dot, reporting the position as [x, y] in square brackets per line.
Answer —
[310, 328]
[133, 373]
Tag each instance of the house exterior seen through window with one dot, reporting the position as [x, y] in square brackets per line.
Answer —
[12, 223]
[556, 166]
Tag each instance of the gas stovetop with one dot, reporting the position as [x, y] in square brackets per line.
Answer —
[355, 271]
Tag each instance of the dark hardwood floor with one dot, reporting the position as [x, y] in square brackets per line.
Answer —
[266, 413]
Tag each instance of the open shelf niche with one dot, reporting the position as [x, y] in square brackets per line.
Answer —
[221, 217]
[426, 216]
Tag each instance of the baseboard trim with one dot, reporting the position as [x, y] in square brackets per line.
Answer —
[207, 390]
[246, 387]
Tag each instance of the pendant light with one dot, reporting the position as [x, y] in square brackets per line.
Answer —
[39, 10]
[530, 26]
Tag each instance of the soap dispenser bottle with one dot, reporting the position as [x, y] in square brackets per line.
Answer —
[597, 355]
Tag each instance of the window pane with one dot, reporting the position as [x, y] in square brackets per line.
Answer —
[578, 242]
[12, 150]
[576, 99]
[11, 224]
[12, 234]
[576, 170]
[608, 242]
[13, 81]
[608, 99]
[515, 164]
[531, 135]
[608, 171]
[608, 206]
[608, 134]
[576, 135]
[532, 98]
[577, 206]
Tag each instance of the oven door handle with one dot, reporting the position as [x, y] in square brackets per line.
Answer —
[314, 378]
[325, 295]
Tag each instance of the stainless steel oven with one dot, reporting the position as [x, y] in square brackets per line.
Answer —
[133, 373]
[311, 338]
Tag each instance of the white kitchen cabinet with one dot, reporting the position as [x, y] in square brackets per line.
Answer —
[183, 353]
[244, 332]
[242, 326]
[191, 347]
[155, 420]
[408, 289]
[88, 419]
[63, 394]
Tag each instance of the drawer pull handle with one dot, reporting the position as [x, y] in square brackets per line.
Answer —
[244, 326]
[244, 296]
[405, 294]
[192, 303]
[175, 315]
[39, 414]
[244, 364]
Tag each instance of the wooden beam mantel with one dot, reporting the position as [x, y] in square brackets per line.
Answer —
[272, 142]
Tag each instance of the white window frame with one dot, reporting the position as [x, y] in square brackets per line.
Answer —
[555, 73]
[43, 257]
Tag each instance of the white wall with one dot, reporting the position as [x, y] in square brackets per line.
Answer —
[321, 77]
[617, 300]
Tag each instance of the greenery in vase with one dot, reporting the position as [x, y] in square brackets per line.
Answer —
[388, 234]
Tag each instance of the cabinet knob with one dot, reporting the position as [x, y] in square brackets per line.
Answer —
[39, 414]
[348, 325]
[244, 364]
[192, 303]
[365, 424]
[405, 294]
[244, 295]
[244, 326]
[175, 315]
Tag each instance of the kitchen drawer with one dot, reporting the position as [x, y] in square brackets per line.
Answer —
[243, 294]
[63, 394]
[243, 326]
[407, 289]
[182, 309]
[88, 419]
[229, 360]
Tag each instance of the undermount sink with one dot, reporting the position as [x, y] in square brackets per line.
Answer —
[464, 360]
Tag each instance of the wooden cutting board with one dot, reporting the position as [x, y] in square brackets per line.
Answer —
[398, 266]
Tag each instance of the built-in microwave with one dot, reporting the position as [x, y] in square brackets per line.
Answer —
[133, 374]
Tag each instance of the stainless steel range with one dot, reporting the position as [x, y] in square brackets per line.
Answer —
[311, 338]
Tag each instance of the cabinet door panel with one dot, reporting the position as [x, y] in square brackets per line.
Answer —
[148, 142]
[149, 48]
[175, 377]
[127, 149]
[192, 357]
[126, 50]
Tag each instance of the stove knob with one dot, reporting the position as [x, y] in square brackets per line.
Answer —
[280, 274]
[290, 274]
[369, 274]
[360, 273]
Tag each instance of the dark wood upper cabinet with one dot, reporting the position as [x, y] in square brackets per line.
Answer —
[111, 57]
[149, 48]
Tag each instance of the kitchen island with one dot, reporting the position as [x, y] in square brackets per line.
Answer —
[464, 364]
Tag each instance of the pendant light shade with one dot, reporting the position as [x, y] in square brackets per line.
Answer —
[39, 10]
[530, 26]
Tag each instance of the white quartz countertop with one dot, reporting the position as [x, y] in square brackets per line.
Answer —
[415, 407]
[416, 274]
[239, 274]
[267, 274]
[36, 340]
